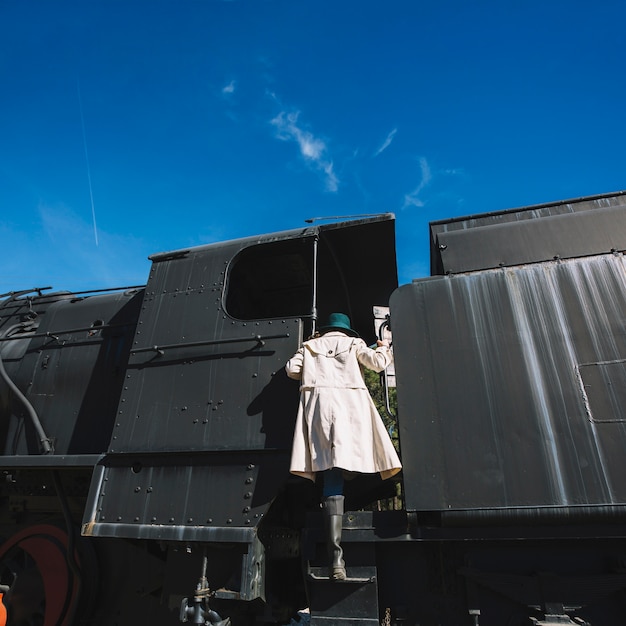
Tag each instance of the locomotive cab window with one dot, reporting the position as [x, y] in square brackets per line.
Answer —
[271, 280]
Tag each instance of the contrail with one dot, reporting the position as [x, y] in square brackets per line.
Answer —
[82, 122]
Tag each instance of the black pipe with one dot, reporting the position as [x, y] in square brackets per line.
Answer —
[44, 440]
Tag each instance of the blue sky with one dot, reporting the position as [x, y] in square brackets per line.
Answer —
[130, 127]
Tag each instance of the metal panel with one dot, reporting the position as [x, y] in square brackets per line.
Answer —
[357, 269]
[498, 241]
[197, 379]
[491, 409]
[191, 497]
[561, 236]
[72, 373]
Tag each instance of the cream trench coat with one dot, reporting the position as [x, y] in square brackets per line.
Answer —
[337, 423]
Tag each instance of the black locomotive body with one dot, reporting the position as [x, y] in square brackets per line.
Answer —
[147, 432]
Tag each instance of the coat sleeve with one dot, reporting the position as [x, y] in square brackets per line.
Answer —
[377, 359]
[294, 365]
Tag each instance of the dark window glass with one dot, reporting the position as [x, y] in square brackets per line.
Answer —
[271, 280]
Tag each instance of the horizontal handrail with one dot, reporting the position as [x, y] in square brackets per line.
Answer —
[209, 342]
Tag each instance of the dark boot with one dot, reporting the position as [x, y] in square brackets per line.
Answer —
[333, 508]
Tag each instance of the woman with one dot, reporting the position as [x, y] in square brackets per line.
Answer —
[338, 427]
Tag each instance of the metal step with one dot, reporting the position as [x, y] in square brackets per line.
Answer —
[349, 602]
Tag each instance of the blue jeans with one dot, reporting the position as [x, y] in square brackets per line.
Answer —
[332, 482]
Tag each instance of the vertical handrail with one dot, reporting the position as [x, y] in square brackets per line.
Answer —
[314, 303]
[385, 381]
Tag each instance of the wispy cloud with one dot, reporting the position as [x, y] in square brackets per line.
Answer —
[387, 142]
[119, 259]
[74, 262]
[230, 88]
[412, 198]
[312, 148]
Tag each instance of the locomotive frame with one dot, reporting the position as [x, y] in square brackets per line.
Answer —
[147, 432]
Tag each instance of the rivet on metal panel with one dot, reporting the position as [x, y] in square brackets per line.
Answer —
[195, 421]
[119, 518]
[189, 520]
[247, 521]
[229, 521]
[149, 489]
[249, 480]
[250, 467]
[153, 519]
[137, 489]
[171, 519]
[205, 421]
[183, 408]
[247, 495]
[246, 509]
[136, 519]
[210, 520]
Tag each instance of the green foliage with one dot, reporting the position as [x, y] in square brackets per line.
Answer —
[377, 391]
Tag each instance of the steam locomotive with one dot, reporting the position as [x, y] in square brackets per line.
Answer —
[146, 432]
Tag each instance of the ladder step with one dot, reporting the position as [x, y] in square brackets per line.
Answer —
[349, 602]
[353, 576]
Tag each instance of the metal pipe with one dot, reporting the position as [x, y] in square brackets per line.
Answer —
[44, 440]
[314, 303]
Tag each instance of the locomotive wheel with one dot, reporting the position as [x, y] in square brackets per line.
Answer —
[44, 590]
